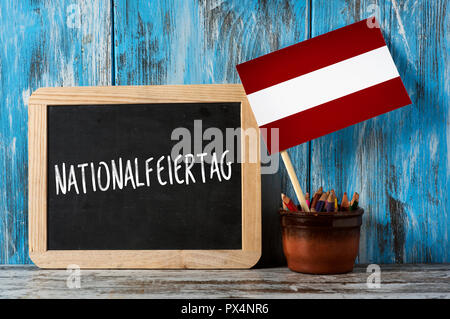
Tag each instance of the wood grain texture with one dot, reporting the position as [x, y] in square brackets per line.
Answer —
[397, 281]
[192, 42]
[138, 94]
[42, 43]
[195, 259]
[37, 178]
[398, 162]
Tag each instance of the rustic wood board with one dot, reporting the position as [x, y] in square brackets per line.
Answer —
[397, 281]
[398, 161]
[43, 44]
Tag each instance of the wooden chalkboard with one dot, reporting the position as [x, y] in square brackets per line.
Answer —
[107, 189]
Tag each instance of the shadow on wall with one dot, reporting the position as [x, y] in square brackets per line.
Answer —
[272, 248]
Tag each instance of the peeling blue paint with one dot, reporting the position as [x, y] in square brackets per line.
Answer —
[38, 47]
[399, 162]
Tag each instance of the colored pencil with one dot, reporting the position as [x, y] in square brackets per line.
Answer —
[282, 202]
[344, 203]
[288, 203]
[315, 199]
[354, 202]
[329, 207]
[321, 203]
[335, 208]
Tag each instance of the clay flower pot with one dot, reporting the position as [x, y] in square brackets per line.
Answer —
[321, 243]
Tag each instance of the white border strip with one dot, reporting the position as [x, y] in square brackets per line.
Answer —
[323, 85]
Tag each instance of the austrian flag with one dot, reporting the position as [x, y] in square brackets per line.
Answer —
[322, 85]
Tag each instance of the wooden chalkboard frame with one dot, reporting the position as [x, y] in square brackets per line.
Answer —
[163, 259]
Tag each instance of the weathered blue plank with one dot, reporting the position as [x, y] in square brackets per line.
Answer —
[191, 42]
[41, 44]
[399, 162]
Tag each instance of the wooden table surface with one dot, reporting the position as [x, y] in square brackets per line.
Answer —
[397, 281]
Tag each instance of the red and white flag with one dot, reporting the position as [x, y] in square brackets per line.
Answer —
[323, 84]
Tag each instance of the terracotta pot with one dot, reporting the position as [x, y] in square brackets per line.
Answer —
[321, 243]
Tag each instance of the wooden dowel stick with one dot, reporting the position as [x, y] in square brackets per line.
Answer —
[294, 180]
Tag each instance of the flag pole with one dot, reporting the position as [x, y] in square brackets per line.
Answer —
[294, 180]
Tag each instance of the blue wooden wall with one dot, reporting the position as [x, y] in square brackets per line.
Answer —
[399, 162]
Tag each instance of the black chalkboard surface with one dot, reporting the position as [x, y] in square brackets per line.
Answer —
[143, 215]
